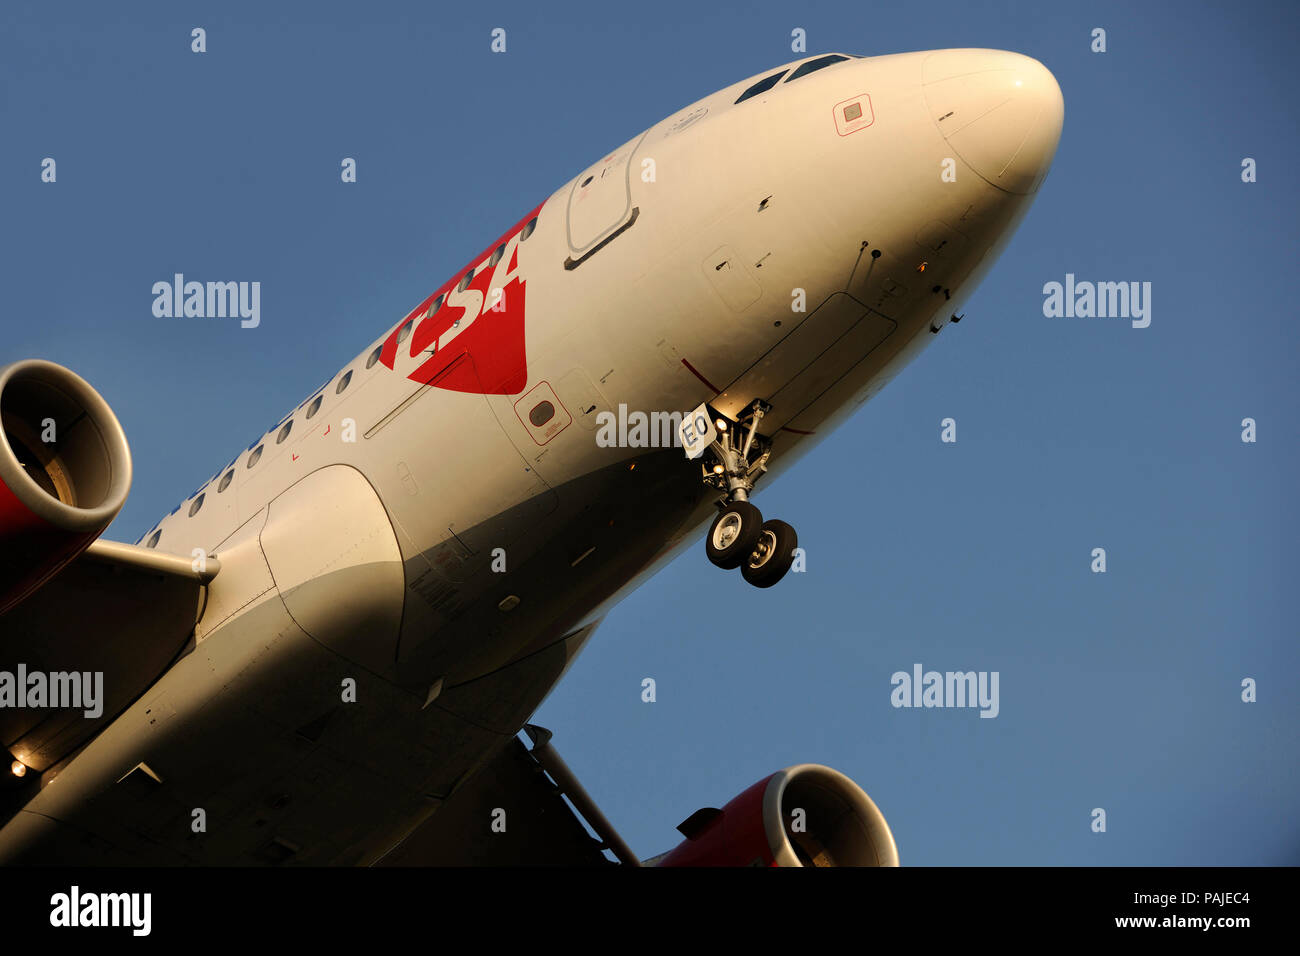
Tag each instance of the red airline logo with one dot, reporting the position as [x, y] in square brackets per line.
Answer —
[484, 319]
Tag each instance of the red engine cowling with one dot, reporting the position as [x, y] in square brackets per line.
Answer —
[807, 815]
[65, 470]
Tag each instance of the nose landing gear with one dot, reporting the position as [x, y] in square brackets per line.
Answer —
[739, 537]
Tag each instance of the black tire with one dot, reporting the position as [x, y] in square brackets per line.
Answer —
[733, 534]
[772, 555]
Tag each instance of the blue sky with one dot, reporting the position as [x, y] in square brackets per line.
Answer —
[1118, 690]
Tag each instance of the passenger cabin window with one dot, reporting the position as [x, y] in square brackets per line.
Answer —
[465, 281]
[226, 479]
[818, 64]
[284, 432]
[374, 357]
[404, 331]
[497, 253]
[254, 457]
[314, 407]
[153, 541]
[343, 383]
[194, 508]
[762, 86]
[528, 229]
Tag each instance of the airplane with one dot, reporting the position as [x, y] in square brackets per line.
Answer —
[327, 653]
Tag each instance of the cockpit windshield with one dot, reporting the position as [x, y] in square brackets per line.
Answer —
[762, 86]
[820, 63]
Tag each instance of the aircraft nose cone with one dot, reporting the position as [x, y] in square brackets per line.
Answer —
[1000, 112]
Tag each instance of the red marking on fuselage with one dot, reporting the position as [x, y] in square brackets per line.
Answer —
[468, 323]
[691, 368]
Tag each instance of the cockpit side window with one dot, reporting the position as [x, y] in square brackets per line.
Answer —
[820, 63]
[762, 86]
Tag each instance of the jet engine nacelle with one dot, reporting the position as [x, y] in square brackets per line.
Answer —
[65, 470]
[807, 815]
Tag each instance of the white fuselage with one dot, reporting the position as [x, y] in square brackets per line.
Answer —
[407, 573]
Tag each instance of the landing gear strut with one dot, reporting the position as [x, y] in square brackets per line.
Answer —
[739, 537]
